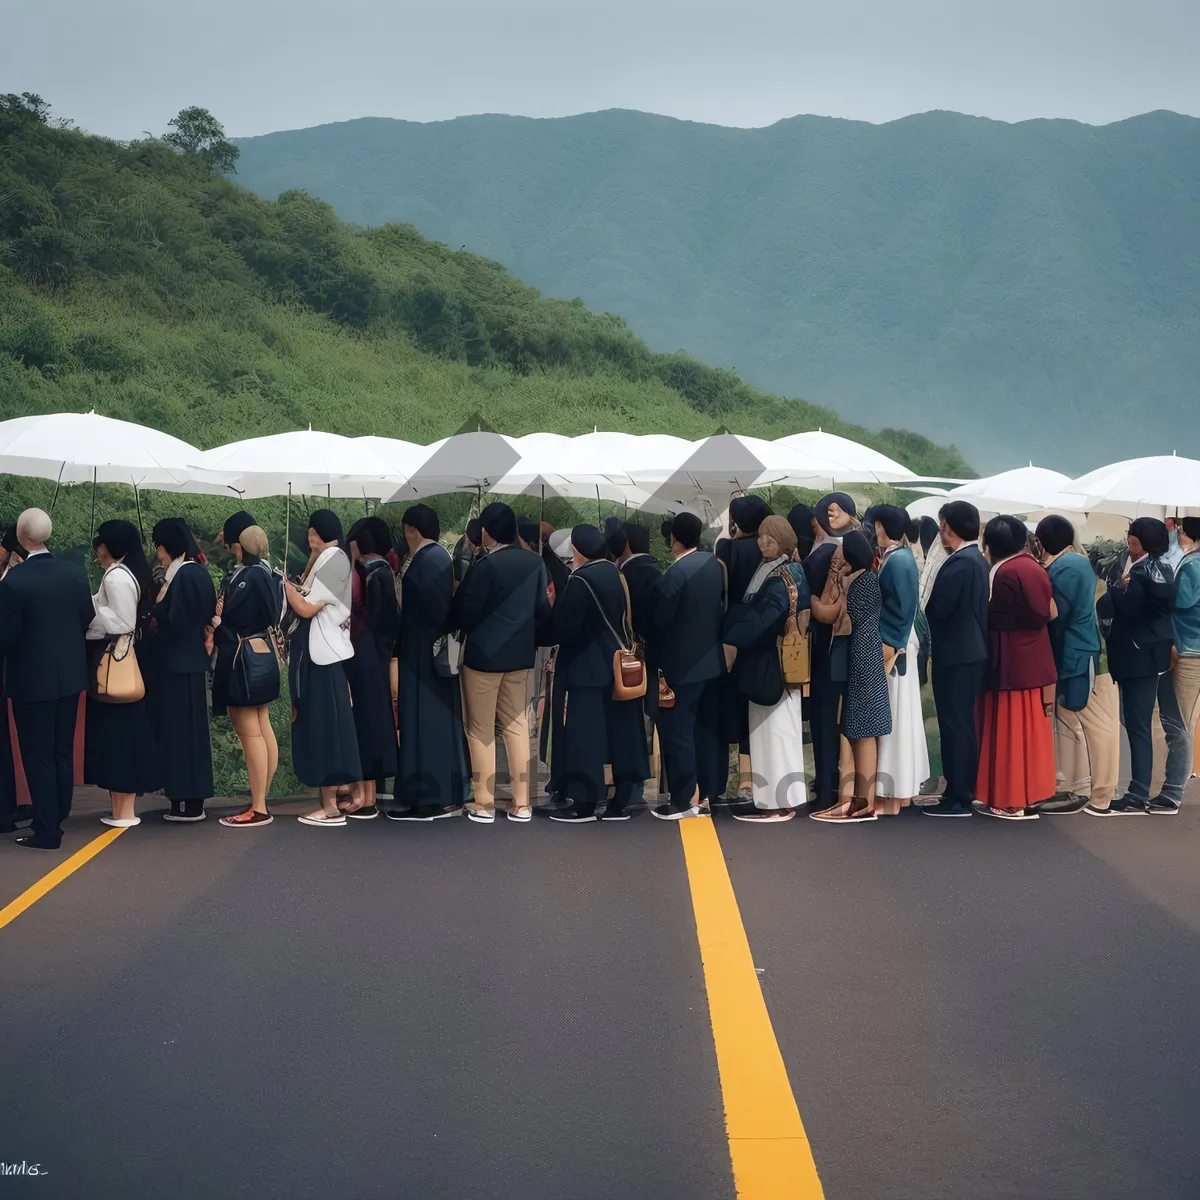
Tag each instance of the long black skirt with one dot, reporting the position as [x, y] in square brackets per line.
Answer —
[371, 692]
[120, 749]
[432, 769]
[591, 730]
[180, 715]
[324, 740]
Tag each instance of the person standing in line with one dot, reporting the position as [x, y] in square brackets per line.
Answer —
[957, 610]
[12, 815]
[834, 516]
[45, 610]
[688, 614]
[800, 518]
[373, 629]
[592, 730]
[185, 607]
[324, 738]
[642, 577]
[120, 750]
[250, 602]
[1016, 745]
[500, 608]
[1087, 727]
[1140, 606]
[1179, 688]
[431, 781]
[903, 753]
[866, 715]
[742, 558]
[775, 595]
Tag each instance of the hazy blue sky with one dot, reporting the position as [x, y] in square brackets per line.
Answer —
[123, 66]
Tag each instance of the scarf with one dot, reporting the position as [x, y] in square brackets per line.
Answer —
[761, 573]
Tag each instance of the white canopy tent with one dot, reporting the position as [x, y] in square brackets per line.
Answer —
[858, 463]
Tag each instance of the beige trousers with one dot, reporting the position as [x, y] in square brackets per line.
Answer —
[488, 697]
[1187, 693]
[1087, 745]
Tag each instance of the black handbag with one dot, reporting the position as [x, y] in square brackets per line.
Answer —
[254, 675]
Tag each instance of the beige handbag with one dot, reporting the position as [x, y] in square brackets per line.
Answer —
[794, 661]
[118, 678]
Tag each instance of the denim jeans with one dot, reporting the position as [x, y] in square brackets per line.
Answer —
[1178, 695]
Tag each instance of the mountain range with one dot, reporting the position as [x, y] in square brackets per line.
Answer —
[1024, 291]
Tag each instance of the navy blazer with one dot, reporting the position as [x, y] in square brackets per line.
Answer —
[1142, 633]
[585, 644]
[642, 574]
[181, 615]
[501, 606]
[45, 610]
[755, 626]
[688, 614]
[957, 610]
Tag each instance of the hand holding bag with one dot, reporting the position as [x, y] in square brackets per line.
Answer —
[254, 675]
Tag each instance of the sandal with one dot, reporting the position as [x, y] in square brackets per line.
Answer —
[520, 814]
[244, 820]
[321, 817]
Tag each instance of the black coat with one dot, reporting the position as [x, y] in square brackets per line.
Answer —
[1142, 633]
[501, 606]
[585, 643]
[45, 609]
[252, 603]
[742, 558]
[754, 627]
[816, 571]
[181, 615]
[688, 615]
[957, 610]
[643, 575]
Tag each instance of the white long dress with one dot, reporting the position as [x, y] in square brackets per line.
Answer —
[904, 753]
[777, 753]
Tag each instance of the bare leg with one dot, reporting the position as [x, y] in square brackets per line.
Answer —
[248, 727]
[866, 769]
[122, 805]
[268, 736]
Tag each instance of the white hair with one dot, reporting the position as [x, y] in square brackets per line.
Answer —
[34, 527]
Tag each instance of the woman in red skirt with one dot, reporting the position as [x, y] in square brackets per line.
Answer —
[1014, 712]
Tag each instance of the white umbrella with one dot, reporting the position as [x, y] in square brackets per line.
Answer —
[860, 464]
[465, 462]
[1023, 490]
[1139, 485]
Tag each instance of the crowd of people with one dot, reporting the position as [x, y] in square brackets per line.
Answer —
[407, 662]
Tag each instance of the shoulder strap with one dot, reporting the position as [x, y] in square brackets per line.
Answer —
[793, 595]
[621, 641]
[724, 583]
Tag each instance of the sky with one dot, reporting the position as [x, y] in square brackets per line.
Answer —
[125, 67]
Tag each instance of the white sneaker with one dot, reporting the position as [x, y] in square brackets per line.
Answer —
[484, 818]
[121, 822]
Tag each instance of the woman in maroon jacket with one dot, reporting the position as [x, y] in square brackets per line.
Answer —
[1016, 732]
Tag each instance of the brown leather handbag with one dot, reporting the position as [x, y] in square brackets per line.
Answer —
[666, 694]
[629, 668]
[794, 660]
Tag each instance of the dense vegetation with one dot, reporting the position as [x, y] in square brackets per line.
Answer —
[1016, 289]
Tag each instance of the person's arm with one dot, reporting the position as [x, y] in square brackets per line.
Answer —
[1187, 586]
[666, 601]
[435, 594]
[571, 611]
[750, 625]
[118, 614]
[470, 600]
[299, 604]
[11, 623]
[947, 592]
[555, 568]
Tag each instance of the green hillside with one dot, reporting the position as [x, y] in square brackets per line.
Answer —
[1020, 290]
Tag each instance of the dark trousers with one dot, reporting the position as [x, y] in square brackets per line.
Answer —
[1137, 715]
[824, 701]
[955, 689]
[693, 751]
[46, 736]
[8, 778]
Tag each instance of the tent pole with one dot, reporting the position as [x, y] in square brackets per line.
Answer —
[138, 501]
[287, 529]
[541, 518]
[599, 518]
[92, 529]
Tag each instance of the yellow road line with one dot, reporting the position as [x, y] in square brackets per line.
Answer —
[772, 1158]
[11, 911]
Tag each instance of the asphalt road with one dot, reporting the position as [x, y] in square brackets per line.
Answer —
[965, 1009]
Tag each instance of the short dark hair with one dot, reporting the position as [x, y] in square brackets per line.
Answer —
[1055, 533]
[1152, 533]
[529, 532]
[424, 520]
[1191, 526]
[912, 531]
[638, 537]
[499, 522]
[474, 530]
[1004, 536]
[686, 529]
[615, 537]
[963, 519]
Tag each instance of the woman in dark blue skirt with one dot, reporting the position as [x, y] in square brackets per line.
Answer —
[185, 608]
[373, 628]
[324, 739]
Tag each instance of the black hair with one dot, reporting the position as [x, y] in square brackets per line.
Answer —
[929, 532]
[1004, 536]
[1191, 526]
[425, 521]
[638, 537]
[615, 537]
[893, 519]
[963, 519]
[10, 543]
[326, 524]
[360, 534]
[122, 540]
[530, 532]
[856, 550]
[912, 531]
[686, 529]
[173, 535]
[1152, 533]
[235, 526]
[499, 522]
[589, 541]
[1055, 534]
[474, 528]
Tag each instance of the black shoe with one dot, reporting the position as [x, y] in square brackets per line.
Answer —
[627, 813]
[947, 808]
[37, 844]
[575, 815]
[1127, 806]
[423, 814]
[1060, 805]
[24, 815]
[1092, 811]
[549, 807]
[1160, 806]
[674, 811]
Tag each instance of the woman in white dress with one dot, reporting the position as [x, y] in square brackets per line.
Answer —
[777, 592]
[903, 753]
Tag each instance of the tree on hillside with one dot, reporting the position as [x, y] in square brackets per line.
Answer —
[27, 104]
[195, 132]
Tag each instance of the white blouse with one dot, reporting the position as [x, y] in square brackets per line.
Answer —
[115, 603]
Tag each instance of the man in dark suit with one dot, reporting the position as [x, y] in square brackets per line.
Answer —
[688, 613]
[500, 607]
[957, 612]
[45, 610]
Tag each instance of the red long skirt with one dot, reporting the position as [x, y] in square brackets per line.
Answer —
[1016, 749]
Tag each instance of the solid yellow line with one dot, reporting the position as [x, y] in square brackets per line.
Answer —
[11, 911]
[772, 1158]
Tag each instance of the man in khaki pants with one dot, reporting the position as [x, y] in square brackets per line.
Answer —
[499, 608]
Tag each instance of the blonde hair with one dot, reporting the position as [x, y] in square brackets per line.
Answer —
[253, 540]
[780, 531]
